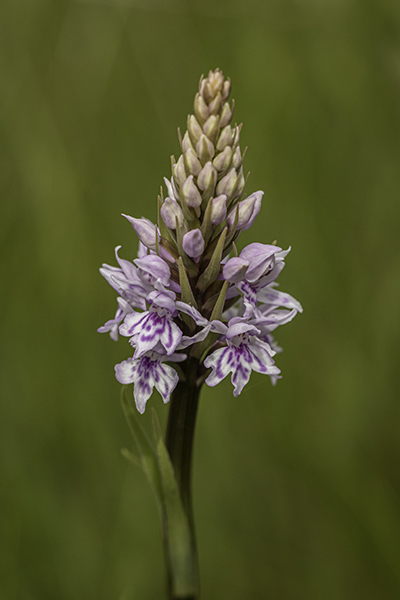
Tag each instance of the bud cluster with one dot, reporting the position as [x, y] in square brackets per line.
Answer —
[196, 293]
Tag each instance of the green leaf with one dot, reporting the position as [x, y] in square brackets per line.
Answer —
[201, 347]
[212, 271]
[186, 290]
[147, 452]
[130, 457]
[178, 538]
[206, 226]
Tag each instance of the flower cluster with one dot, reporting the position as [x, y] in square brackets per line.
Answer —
[189, 294]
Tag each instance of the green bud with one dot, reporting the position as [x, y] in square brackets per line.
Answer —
[225, 138]
[216, 81]
[194, 128]
[208, 92]
[226, 90]
[218, 210]
[215, 106]
[192, 163]
[205, 149]
[227, 185]
[237, 158]
[207, 176]
[211, 127]
[223, 160]
[201, 109]
[236, 135]
[179, 171]
[191, 193]
[186, 142]
[226, 115]
[240, 184]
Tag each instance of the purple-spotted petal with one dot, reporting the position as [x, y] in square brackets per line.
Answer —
[219, 361]
[273, 297]
[166, 380]
[134, 319]
[170, 336]
[125, 371]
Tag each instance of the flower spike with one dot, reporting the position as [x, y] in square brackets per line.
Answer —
[190, 288]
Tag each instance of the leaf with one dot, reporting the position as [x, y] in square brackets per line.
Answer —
[202, 347]
[178, 538]
[186, 290]
[130, 457]
[147, 452]
[212, 271]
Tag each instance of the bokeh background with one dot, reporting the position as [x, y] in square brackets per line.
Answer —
[296, 487]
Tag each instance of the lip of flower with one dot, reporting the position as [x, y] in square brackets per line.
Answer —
[244, 353]
[147, 373]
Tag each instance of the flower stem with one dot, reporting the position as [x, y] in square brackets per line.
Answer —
[179, 442]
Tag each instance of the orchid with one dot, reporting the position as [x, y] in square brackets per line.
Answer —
[148, 372]
[191, 297]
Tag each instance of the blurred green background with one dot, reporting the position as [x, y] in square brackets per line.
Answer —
[296, 487]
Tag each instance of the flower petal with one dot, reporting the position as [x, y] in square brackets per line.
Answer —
[125, 371]
[166, 380]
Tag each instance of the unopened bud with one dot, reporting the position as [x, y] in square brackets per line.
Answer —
[194, 128]
[186, 142]
[191, 193]
[192, 162]
[170, 211]
[172, 193]
[248, 211]
[145, 230]
[235, 269]
[240, 184]
[236, 135]
[218, 210]
[226, 115]
[207, 177]
[225, 138]
[201, 108]
[237, 158]
[226, 90]
[216, 81]
[227, 184]
[208, 92]
[205, 149]
[193, 243]
[179, 171]
[210, 127]
[215, 106]
[223, 160]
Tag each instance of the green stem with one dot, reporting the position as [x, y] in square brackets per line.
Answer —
[179, 442]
